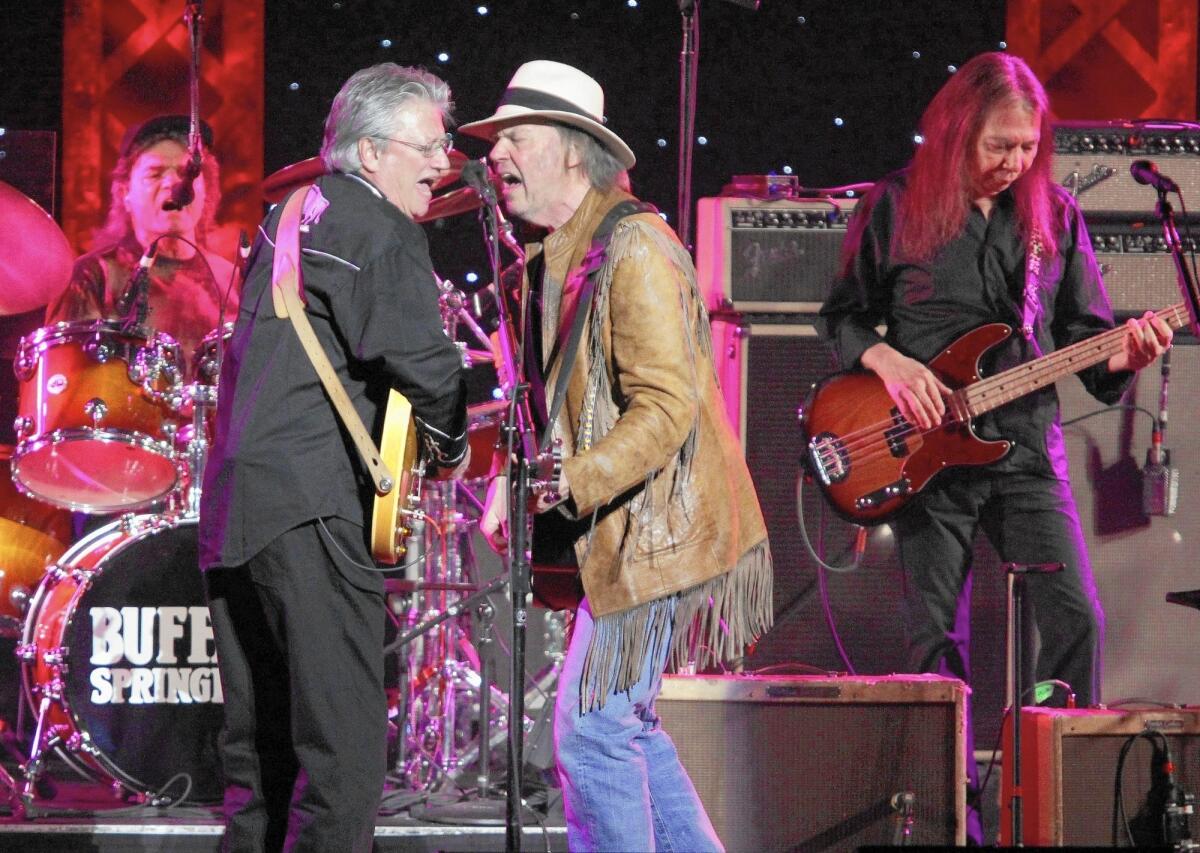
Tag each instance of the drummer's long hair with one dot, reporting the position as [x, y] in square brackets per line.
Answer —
[938, 196]
[118, 225]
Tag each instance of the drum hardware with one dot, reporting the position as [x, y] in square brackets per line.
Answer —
[442, 717]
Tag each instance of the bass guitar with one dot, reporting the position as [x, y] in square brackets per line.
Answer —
[869, 461]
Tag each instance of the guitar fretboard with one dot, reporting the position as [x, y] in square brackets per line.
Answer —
[1016, 382]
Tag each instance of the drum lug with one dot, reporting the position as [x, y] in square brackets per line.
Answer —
[26, 652]
[56, 657]
[57, 573]
[53, 689]
[95, 409]
[22, 426]
[98, 350]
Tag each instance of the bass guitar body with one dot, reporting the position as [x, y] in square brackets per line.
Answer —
[867, 459]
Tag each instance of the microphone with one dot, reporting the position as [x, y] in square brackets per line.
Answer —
[1146, 172]
[1160, 479]
[475, 175]
[182, 194]
[134, 304]
[1178, 805]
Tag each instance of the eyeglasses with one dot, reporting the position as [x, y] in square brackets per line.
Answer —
[444, 144]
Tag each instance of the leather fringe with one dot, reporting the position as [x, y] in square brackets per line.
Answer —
[712, 623]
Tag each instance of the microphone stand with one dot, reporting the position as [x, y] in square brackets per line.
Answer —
[520, 451]
[689, 11]
[1187, 281]
[183, 194]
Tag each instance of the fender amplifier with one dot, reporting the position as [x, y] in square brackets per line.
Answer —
[1139, 272]
[1092, 159]
[822, 762]
[755, 255]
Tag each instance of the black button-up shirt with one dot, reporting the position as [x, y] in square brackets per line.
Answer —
[977, 278]
[280, 455]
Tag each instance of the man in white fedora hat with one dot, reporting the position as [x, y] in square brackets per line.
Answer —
[655, 504]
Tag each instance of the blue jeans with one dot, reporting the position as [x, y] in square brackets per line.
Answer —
[623, 786]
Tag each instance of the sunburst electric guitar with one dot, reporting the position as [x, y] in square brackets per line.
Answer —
[869, 461]
[393, 511]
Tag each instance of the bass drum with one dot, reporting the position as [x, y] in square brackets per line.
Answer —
[118, 657]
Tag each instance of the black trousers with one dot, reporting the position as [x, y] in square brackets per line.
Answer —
[299, 636]
[1028, 519]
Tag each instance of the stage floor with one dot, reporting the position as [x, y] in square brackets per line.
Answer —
[84, 816]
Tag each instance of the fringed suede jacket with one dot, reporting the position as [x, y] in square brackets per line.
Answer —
[649, 455]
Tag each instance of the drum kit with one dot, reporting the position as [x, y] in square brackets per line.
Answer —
[117, 662]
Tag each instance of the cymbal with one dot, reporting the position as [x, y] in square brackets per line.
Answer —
[461, 200]
[280, 183]
[35, 257]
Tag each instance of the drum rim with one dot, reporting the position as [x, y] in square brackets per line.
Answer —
[66, 330]
[139, 440]
[129, 529]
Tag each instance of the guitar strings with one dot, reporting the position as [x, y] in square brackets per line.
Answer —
[873, 441]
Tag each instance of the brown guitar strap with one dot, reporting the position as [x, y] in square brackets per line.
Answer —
[592, 263]
[286, 286]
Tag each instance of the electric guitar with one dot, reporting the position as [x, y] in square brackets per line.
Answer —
[869, 461]
[393, 510]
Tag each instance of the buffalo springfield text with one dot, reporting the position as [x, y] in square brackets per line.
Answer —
[153, 655]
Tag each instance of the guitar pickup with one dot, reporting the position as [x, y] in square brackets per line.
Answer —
[894, 435]
[898, 489]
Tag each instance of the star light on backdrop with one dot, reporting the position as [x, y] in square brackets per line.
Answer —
[774, 105]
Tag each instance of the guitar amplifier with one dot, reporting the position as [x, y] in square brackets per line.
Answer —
[1092, 159]
[1069, 761]
[1139, 272]
[821, 762]
[755, 255]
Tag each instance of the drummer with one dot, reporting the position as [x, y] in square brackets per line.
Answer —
[189, 290]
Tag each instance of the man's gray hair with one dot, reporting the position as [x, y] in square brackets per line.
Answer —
[366, 106]
[603, 170]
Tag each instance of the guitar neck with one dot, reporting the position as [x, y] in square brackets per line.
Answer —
[1016, 382]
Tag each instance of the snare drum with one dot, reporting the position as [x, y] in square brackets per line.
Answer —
[483, 431]
[95, 416]
[118, 648]
[32, 535]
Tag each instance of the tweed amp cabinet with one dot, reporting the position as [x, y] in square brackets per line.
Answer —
[1069, 760]
[822, 762]
[1092, 159]
[771, 256]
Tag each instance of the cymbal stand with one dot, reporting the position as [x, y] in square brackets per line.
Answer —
[442, 666]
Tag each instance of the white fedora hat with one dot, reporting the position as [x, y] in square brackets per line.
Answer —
[545, 91]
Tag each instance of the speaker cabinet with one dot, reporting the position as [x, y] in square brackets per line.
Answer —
[1069, 763]
[770, 256]
[814, 763]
